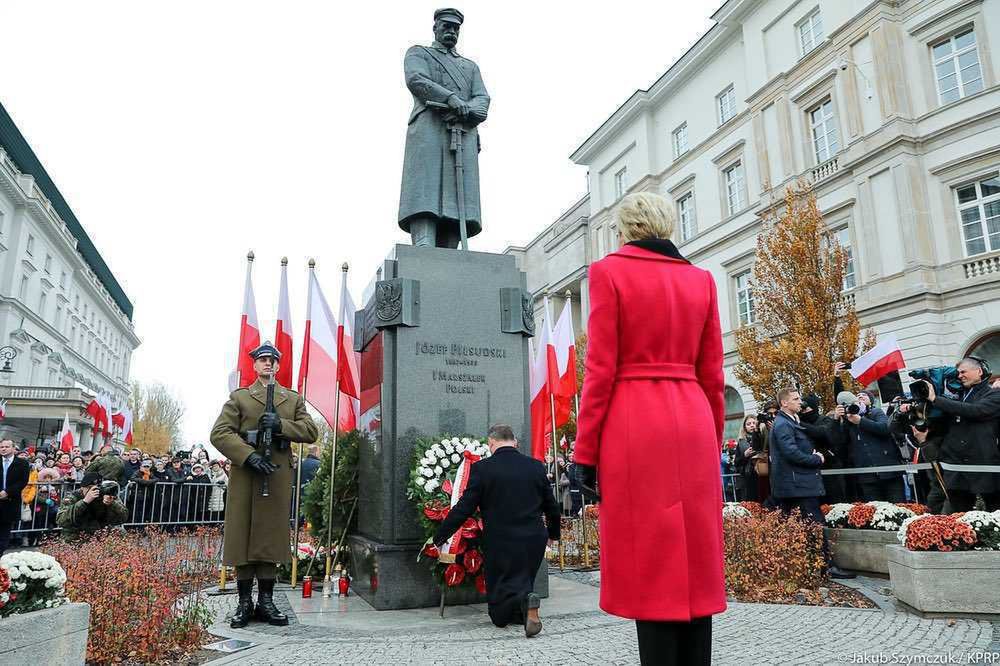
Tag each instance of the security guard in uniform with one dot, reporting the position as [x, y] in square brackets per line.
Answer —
[256, 528]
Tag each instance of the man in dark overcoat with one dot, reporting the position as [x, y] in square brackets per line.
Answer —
[14, 474]
[512, 493]
[255, 538]
[448, 91]
[971, 438]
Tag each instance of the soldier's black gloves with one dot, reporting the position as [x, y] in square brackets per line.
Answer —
[586, 475]
[257, 463]
[270, 421]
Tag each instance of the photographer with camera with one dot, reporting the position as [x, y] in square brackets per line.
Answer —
[865, 430]
[972, 436]
[923, 437]
[91, 508]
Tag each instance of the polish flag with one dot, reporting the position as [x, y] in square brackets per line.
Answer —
[66, 438]
[283, 332]
[318, 365]
[347, 361]
[537, 375]
[249, 334]
[3, 409]
[122, 419]
[557, 353]
[98, 409]
[883, 358]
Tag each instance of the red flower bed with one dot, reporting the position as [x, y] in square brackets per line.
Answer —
[756, 509]
[825, 508]
[860, 515]
[940, 533]
[919, 509]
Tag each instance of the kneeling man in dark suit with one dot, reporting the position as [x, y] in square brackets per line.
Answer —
[512, 492]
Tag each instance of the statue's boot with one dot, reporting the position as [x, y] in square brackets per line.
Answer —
[266, 610]
[244, 609]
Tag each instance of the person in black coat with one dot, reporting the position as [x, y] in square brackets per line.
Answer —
[972, 436]
[13, 478]
[870, 444]
[512, 493]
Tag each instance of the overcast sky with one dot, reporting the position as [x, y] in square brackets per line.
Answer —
[184, 133]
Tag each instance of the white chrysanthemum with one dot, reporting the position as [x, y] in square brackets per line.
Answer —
[466, 441]
[420, 481]
[888, 517]
[455, 458]
[455, 440]
[449, 449]
[445, 463]
[427, 471]
[438, 471]
[734, 510]
[837, 515]
[972, 517]
[431, 458]
[459, 448]
[444, 441]
[431, 485]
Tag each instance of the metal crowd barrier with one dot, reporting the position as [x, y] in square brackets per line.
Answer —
[165, 503]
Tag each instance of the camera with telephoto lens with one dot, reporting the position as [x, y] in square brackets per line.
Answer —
[854, 409]
[109, 488]
[764, 418]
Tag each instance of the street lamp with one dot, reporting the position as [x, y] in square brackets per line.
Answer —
[7, 354]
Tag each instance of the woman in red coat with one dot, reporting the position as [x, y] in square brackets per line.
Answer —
[651, 423]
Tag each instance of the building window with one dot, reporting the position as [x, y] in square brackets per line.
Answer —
[686, 213]
[58, 321]
[734, 187]
[979, 210]
[679, 139]
[824, 131]
[76, 303]
[62, 280]
[744, 299]
[620, 183]
[1, 221]
[48, 263]
[22, 293]
[72, 336]
[30, 249]
[726, 102]
[734, 414]
[41, 304]
[810, 32]
[843, 237]
[956, 66]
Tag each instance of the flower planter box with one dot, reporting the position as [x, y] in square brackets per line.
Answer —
[860, 550]
[54, 635]
[961, 582]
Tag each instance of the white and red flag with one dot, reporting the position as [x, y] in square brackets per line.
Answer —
[3, 409]
[67, 440]
[453, 545]
[556, 350]
[99, 409]
[539, 397]
[283, 331]
[318, 366]
[122, 419]
[249, 335]
[885, 357]
[347, 362]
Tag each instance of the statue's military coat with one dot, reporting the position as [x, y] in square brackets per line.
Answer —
[257, 527]
[428, 188]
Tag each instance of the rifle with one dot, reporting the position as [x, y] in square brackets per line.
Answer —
[265, 440]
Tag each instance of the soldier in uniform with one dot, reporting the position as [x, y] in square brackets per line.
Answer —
[86, 510]
[452, 85]
[256, 527]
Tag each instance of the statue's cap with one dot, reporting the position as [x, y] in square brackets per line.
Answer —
[449, 14]
[266, 349]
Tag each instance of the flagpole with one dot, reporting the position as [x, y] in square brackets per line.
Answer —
[333, 453]
[298, 505]
[576, 390]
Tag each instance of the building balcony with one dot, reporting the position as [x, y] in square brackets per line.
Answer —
[35, 414]
[821, 172]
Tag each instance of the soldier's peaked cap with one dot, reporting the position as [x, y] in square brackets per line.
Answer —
[266, 349]
[449, 14]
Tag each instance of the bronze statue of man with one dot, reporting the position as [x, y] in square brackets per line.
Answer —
[448, 93]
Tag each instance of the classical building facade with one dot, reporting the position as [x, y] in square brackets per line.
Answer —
[62, 312]
[890, 108]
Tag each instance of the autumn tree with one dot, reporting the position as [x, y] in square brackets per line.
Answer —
[803, 324]
[156, 418]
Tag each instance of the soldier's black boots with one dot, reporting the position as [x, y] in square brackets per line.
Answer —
[266, 610]
[244, 610]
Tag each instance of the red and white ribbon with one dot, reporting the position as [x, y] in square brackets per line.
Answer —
[458, 487]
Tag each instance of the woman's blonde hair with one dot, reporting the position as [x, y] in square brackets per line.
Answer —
[645, 215]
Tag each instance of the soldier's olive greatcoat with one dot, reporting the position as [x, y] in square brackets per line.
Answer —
[428, 190]
[256, 528]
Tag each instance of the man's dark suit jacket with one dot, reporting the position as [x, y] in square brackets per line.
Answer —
[17, 479]
[512, 493]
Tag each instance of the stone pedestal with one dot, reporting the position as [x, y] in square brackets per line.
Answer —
[960, 582]
[861, 550]
[54, 635]
[444, 350]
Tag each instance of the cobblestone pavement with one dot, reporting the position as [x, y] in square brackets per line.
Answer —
[744, 634]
